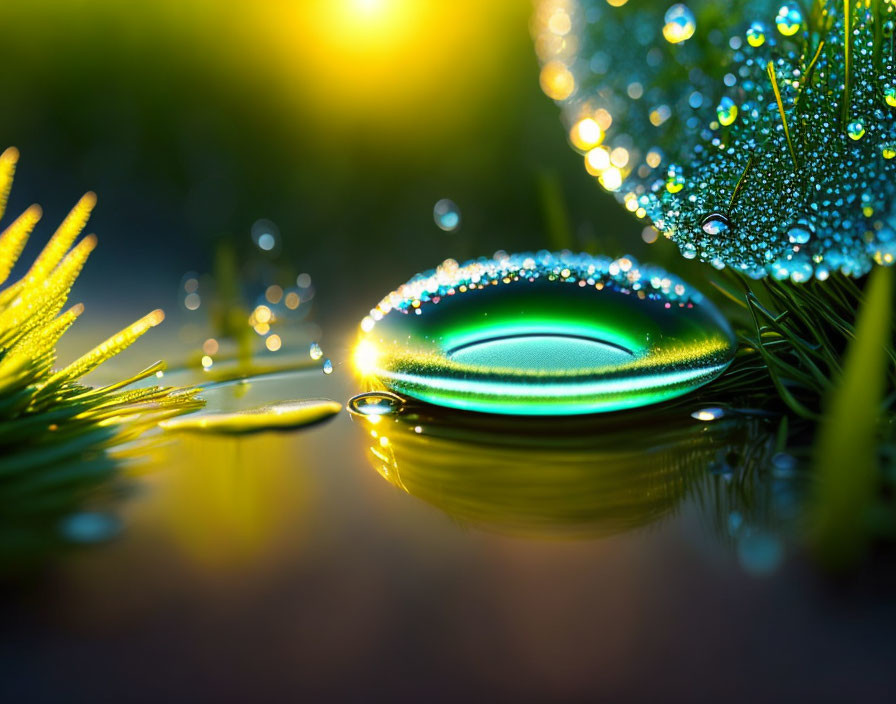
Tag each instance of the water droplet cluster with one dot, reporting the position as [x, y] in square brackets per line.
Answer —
[764, 140]
[452, 279]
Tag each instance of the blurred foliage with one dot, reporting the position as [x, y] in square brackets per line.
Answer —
[195, 118]
[847, 452]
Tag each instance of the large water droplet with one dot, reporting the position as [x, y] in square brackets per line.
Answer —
[544, 334]
[716, 224]
[446, 215]
[315, 351]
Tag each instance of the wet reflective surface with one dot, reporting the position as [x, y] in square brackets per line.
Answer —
[421, 554]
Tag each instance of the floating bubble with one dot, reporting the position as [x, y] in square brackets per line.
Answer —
[265, 235]
[446, 215]
[544, 334]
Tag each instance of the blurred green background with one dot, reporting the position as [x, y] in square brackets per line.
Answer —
[342, 121]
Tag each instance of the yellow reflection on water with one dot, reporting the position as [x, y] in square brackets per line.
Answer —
[578, 477]
[225, 503]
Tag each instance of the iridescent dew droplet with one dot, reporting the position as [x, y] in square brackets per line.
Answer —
[708, 414]
[888, 150]
[756, 34]
[890, 95]
[265, 235]
[680, 24]
[674, 178]
[90, 527]
[715, 224]
[446, 215]
[328, 366]
[789, 19]
[799, 233]
[726, 111]
[315, 351]
[856, 130]
[375, 404]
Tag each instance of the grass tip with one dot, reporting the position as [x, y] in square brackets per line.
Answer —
[10, 155]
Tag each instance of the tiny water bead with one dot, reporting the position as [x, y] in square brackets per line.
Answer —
[315, 351]
[328, 366]
[708, 414]
[446, 215]
[374, 404]
[544, 334]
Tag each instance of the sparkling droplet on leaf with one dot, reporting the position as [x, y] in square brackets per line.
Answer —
[726, 111]
[856, 130]
[716, 224]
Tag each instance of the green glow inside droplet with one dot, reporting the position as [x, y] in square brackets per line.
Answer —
[567, 334]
